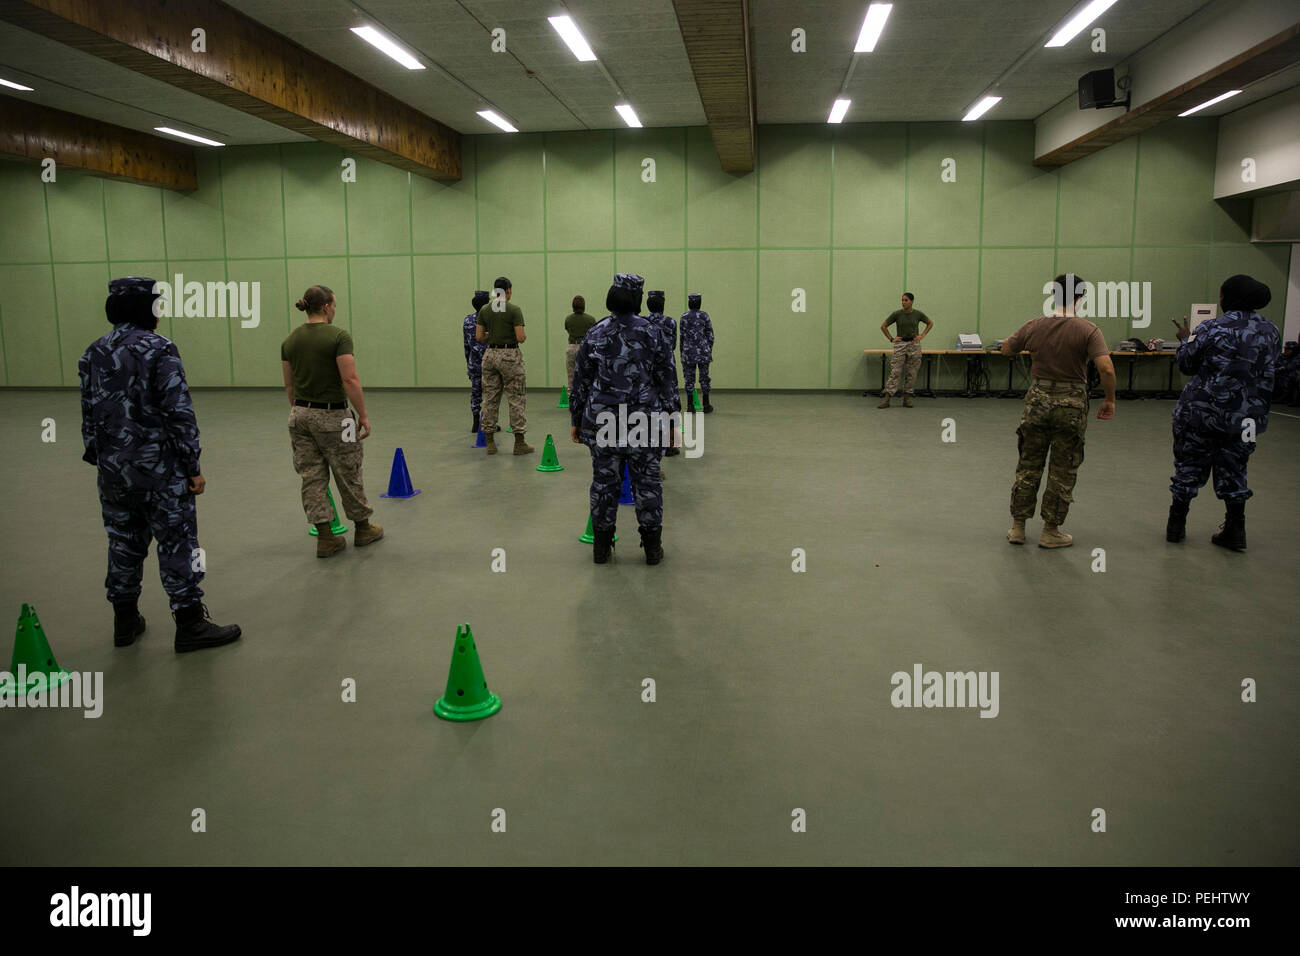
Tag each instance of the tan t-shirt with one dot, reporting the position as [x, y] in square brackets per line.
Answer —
[1060, 346]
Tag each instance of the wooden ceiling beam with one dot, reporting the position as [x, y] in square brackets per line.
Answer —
[716, 34]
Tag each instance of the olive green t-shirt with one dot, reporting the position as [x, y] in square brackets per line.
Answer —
[312, 351]
[577, 324]
[908, 322]
[500, 325]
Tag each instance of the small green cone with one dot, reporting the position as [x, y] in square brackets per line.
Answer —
[690, 401]
[32, 652]
[549, 460]
[589, 535]
[336, 526]
[695, 401]
[564, 397]
[467, 696]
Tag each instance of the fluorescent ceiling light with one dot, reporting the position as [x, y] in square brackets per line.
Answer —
[1218, 99]
[629, 115]
[387, 45]
[838, 110]
[872, 25]
[982, 107]
[1080, 20]
[571, 35]
[198, 139]
[15, 86]
[496, 120]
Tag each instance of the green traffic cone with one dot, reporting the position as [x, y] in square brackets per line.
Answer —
[695, 401]
[32, 657]
[589, 535]
[690, 400]
[336, 526]
[549, 460]
[467, 696]
[564, 397]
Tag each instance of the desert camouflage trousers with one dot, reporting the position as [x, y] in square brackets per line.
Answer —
[316, 435]
[503, 371]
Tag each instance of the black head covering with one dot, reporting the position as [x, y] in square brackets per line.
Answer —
[624, 295]
[481, 298]
[131, 299]
[694, 300]
[1241, 293]
[654, 300]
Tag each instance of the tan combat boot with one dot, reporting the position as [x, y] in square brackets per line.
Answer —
[367, 533]
[522, 447]
[884, 400]
[1017, 533]
[907, 399]
[1054, 537]
[328, 543]
[490, 440]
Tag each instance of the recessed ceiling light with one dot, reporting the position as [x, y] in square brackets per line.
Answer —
[496, 120]
[1218, 99]
[982, 107]
[872, 25]
[569, 32]
[388, 45]
[838, 110]
[629, 115]
[15, 86]
[198, 139]
[1080, 20]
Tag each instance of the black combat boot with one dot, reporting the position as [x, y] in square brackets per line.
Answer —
[650, 541]
[1176, 529]
[602, 544]
[128, 623]
[707, 407]
[474, 429]
[1233, 533]
[195, 630]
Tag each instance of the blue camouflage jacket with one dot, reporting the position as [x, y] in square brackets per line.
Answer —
[697, 337]
[472, 348]
[1231, 360]
[669, 327]
[623, 360]
[137, 421]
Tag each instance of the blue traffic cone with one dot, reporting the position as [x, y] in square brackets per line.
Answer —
[481, 441]
[625, 497]
[399, 482]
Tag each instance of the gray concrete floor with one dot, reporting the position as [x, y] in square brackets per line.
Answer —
[1118, 690]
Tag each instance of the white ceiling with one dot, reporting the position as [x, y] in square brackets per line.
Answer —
[935, 58]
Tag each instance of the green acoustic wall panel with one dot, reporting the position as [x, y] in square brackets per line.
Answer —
[794, 186]
[4, 372]
[792, 346]
[728, 282]
[31, 331]
[1019, 198]
[1179, 276]
[331, 273]
[204, 340]
[1096, 205]
[527, 274]
[944, 282]
[252, 202]
[942, 212]
[1011, 293]
[24, 233]
[382, 317]
[721, 207]
[579, 191]
[255, 350]
[81, 288]
[443, 214]
[76, 210]
[444, 286]
[314, 217]
[192, 219]
[379, 210]
[866, 284]
[135, 222]
[510, 208]
[870, 170]
[651, 215]
[1097, 265]
[587, 274]
[1176, 161]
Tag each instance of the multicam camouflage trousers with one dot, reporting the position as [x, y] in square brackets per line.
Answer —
[903, 364]
[503, 370]
[316, 435]
[570, 358]
[134, 515]
[1055, 419]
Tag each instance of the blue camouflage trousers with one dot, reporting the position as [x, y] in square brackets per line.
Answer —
[607, 483]
[688, 372]
[474, 369]
[132, 516]
[1198, 453]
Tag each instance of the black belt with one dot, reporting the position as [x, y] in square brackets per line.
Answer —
[907, 338]
[512, 345]
[331, 406]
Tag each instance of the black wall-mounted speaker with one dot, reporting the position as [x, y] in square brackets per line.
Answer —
[1097, 90]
